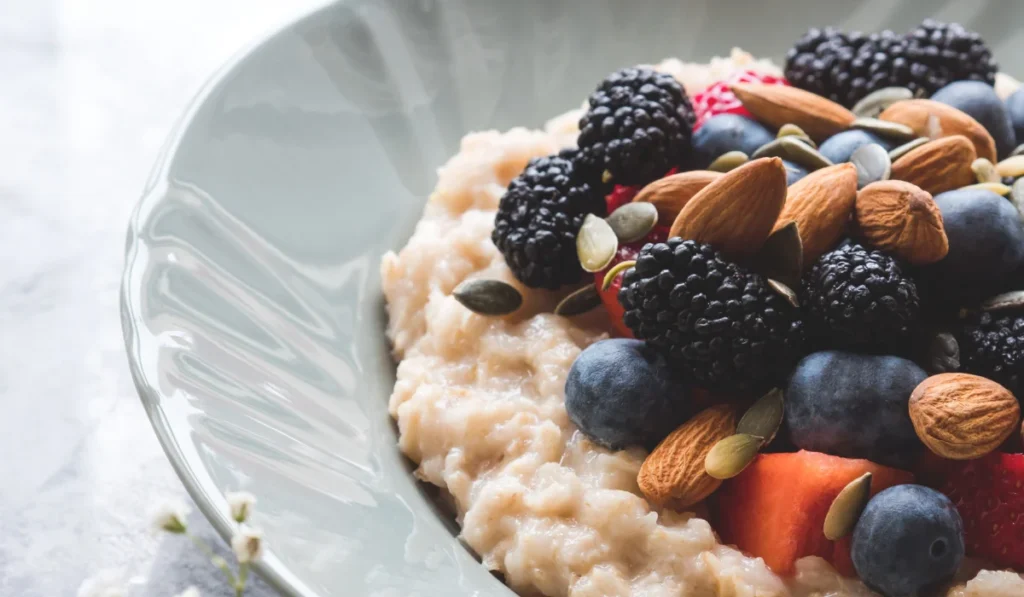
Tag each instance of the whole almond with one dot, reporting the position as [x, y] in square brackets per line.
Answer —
[939, 166]
[900, 218]
[932, 119]
[961, 416]
[821, 204]
[673, 475]
[777, 105]
[736, 212]
[670, 194]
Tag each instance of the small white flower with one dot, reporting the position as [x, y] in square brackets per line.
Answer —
[241, 503]
[190, 592]
[105, 583]
[247, 544]
[170, 517]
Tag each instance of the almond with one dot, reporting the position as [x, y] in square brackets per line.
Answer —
[673, 475]
[776, 105]
[821, 204]
[900, 218]
[938, 166]
[736, 212]
[670, 194]
[961, 416]
[932, 119]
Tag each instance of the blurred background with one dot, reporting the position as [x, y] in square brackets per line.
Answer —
[88, 91]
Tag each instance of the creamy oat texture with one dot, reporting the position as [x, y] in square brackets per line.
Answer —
[479, 405]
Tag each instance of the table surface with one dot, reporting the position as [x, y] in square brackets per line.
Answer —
[89, 90]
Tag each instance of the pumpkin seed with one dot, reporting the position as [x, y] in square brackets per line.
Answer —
[728, 161]
[884, 128]
[984, 171]
[782, 256]
[790, 148]
[847, 507]
[1012, 166]
[614, 273]
[579, 302]
[785, 291]
[488, 297]
[792, 130]
[731, 455]
[596, 244]
[1019, 150]
[633, 221]
[996, 187]
[874, 103]
[1007, 300]
[1017, 196]
[764, 417]
[873, 164]
[907, 147]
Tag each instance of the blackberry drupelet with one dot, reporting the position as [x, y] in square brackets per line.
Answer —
[992, 345]
[940, 53]
[857, 298]
[720, 324]
[637, 128]
[538, 219]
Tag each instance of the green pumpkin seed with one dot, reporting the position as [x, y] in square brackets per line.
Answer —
[731, 455]
[488, 297]
[614, 273]
[785, 292]
[873, 164]
[874, 103]
[884, 128]
[728, 161]
[792, 130]
[782, 256]
[1012, 167]
[1019, 150]
[596, 244]
[847, 507]
[907, 147]
[633, 221]
[984, 171]
[996, 187]
[792, 149]
[1006, 300]
[581, 301]
[764, 417]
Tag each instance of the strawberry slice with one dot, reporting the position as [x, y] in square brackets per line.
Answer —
[719, 99]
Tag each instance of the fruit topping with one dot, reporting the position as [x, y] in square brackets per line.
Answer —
[909, 539]
[979, 101]
[610, 294]
[992, 345]
[719, 98]
[794, 172]
[903, 220]
[855, 406]
[838, 148]
[1015, 110]
[940, 53]
[727, 132]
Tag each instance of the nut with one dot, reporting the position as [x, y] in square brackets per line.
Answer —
[670, 194]
[737, 211]
[821, 204]
[961, 416]
[777, 105]
[673, 475]
[938, 166]
[900, 218]
[932, 119]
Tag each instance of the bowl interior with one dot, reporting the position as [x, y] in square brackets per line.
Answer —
[251, 302]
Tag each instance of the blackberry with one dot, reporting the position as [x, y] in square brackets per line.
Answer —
[857, 298]
[992, 345]
[940, 53]
[637, 128]
[538, 219]
[721, 325]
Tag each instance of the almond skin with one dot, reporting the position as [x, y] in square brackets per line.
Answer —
[821, 204]
[901, 218]
[673, 475]
[934, 120]
[961, 416]
[939, 166]
[736, 212]
[671, 194]
[776, 105]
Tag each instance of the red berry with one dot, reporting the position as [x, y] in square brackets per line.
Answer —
[610, 297]
[719, 99]
[622, 195]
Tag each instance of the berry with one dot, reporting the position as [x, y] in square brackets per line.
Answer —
[838, 148]
[989, 495]
[719, 98]
[721, 325]
[908, 540]
[538, 218]
[637, 128]
[1015, 108]
[940, 53]
[794, 172]
[727, 132]
[620, 393]
[610, 296]
[979, 101]
[992, 345]
[854, 405]
[856, 298]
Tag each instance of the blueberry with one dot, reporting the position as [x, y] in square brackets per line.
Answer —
[840, 147]
[621, 393]
[727, 132]
[1015, 106]
[979, 100]
[908, 540]
[855, 406]
[794, 172]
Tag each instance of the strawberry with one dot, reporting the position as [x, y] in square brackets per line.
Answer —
[610, 297]
[719, 99]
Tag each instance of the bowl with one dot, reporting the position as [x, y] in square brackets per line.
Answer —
[251, 301]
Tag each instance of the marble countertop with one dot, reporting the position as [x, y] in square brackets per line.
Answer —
[90, 89]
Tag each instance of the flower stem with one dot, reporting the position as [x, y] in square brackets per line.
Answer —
[215, 559]
[243, 576]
